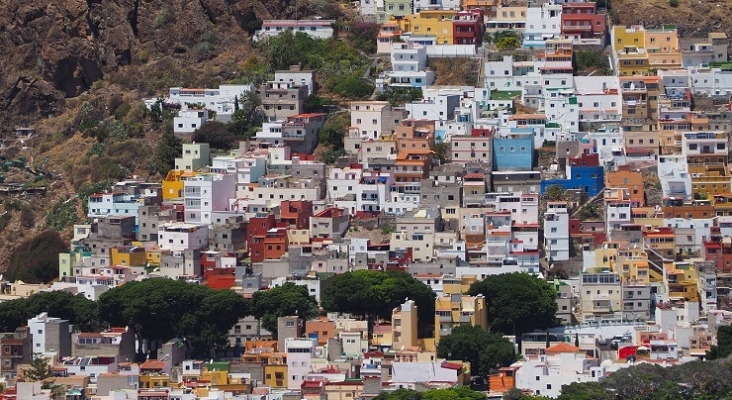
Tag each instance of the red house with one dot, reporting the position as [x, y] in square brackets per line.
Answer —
[468, 27]
[267, 238]
[296, 213]
[581, 21]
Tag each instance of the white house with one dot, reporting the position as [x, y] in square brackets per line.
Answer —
[673, 171]
[316, 28]
[180, 236]
[437, 107]
[420, 5]
[189, 119]
[246, 169]
[599, 99]
[542, 23]
[206, 193]
[712, 81]
[408, 66]
[300, 353]
[297, 77]
[562, 365]
[220, 100]
[556, 231]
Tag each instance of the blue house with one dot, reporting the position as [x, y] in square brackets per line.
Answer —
[584, 173]
[514, 151]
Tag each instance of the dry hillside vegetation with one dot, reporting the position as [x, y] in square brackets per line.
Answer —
[76, 71]
[693, 18]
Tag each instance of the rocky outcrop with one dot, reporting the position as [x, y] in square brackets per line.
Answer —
[51, 50]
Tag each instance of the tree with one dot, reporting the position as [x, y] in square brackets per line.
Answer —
[460, 393]
[517, 302]
[286, 300]
[158, 310]
[507, 40]
[334, 130]
[36, 259]
[363, 36]
[353, 88]
[585, 391]
[251, 105]
[442, 152]
[555, 193]
[39, 369]
[484, 350]
[284, 50]
[400, 95]
[517, 394]
[168, 149]
[723, 348]
[216, 134]
[374, 294]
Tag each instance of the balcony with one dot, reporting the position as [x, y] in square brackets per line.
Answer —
[584, 28]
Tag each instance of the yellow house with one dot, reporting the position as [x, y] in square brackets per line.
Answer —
[680, 280]
[128, 256]
[382, 335]
[173, 184]
[453, 310]
[275, 371]
[458, 284]
[640, 51]
[632, 264]
[430, 22]
[347, 389]
[153, 256]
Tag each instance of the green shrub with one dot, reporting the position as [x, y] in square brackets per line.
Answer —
[122, 111]
[673, 3]
[62, 215]
[163, 18]
[353, 88]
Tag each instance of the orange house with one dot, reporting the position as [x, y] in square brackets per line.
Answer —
[413, 165]
[322, 328]
[415, 134]
[631, 180]
[504, 380]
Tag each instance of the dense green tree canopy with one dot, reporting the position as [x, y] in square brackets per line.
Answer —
[484, 350]
[77, 309]
[376, 293]
[724, 344]
[216, 134]
[162, 309]
[694, 380]
[461, 393]
[517, 301]
[288, 299]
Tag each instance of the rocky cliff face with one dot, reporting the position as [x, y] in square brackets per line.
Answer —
[51, 50]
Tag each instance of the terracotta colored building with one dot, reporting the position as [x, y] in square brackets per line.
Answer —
[267, 238]
[630, 180]
[296, 213]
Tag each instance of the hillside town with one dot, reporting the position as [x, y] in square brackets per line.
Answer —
[611, 189]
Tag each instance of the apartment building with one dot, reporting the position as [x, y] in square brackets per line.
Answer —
[556, 231]
[454, 310]
[374, 118]
[601, 296]
[281, 100]
[582, 24]
[409, 66]
[205, 194]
